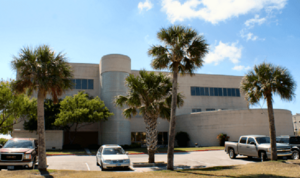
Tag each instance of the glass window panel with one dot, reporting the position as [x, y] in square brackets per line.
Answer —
[201, 91]
[211, 91]
[210, 109]
[220, 91]
[233, 91]
[193, 91]
[84, 83]
[74, 83]
[224, 91]
[229, 92]
[197, 91]
[132, 137]
[91, 84]
[78, 83]
[198, 110]
[216, 92]
[160, 138]
[206, 93]
[193, 110]
[237, 92]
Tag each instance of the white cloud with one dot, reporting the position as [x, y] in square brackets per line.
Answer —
[256, 20]
[224, 51]
[240, 68]
[145, 5]
[248, 36]
[215, 11]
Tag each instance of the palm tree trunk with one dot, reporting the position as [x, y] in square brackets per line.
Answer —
[41, 131]
[272, 129]
[151, 137]
[171, 141]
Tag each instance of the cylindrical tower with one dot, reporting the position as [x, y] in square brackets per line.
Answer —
[114, 68]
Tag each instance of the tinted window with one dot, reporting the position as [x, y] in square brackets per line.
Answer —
[243, 140]
[229, 92]
[78, 83]
[90, 84]
[193, 91]
[18, 144]
[295, 140]
[74, 83]
[84, 83]
[197, 91]
[113, 151]
[220, 92]
[206, 93]
[250, 140]
[224, 91]
[216, 91]
[201, 91]
[232, 91]
[211, 92]
[237, 92]
[261, 140]
[210, 109]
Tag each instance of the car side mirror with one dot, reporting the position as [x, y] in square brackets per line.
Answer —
[1, 145]
[252, 143]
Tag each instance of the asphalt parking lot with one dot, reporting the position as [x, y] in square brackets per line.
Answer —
[181, 160]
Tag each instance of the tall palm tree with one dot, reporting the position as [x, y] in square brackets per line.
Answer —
[263, 82]
[149, 95]
[183, 52]
[43, 71]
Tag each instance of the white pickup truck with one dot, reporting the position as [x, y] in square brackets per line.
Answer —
[255, 146]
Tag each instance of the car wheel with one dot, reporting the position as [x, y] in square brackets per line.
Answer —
[295, 154]
[231, 154]
[263, 156]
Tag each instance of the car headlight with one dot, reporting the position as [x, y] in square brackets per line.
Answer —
[27, 156]
[107, 161]
[126, 161]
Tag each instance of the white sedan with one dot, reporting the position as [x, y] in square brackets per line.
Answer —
[109, 156]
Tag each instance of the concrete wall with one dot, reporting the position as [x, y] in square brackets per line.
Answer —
[114, 70]
[204, 127]
[54, 138]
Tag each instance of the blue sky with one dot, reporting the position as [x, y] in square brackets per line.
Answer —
[241, 33]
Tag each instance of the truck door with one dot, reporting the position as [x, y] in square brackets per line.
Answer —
[242, 146]
[251, 148]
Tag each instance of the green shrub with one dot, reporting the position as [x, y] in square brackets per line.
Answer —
[182, 139]
[3, 141]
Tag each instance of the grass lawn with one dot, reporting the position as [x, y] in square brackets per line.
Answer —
[267, 169]
[144, 150]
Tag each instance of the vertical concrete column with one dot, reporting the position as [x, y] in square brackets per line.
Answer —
[114, 69]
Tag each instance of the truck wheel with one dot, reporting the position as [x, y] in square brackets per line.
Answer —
[231, 154]
[263, 156]
[295, 154]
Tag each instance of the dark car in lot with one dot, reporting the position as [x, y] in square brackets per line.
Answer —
[19, 152]
[293, 141]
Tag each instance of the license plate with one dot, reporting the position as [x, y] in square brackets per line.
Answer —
[10, 167]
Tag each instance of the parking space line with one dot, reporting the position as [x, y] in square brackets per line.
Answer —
[87, 166]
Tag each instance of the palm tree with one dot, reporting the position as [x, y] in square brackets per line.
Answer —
[183, 52]
[264, 81]
[45, 72]
[149, 95]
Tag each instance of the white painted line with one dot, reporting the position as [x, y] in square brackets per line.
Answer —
[87, 166]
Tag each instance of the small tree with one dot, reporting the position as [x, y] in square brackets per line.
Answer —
[80, 110]
[13, 108]
[263, 82]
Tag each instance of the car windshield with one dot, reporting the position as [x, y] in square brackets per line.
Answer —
[261, 140]
[113, 151]
[18, 144]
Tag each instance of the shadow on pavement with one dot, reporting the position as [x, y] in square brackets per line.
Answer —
[117, 169]
[46, 174]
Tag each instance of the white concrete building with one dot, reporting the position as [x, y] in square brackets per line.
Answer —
[296, 124]
[213, 104]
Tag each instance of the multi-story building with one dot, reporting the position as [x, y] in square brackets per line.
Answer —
[296, 124]
[213, 104]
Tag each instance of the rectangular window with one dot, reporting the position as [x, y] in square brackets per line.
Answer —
[201, 91]
[197, 91]
[90, 84]
[243, 140]
[74, 83]
[78, 83]
[196, 110]
[211, 91]
[229, 92]
[220, 91]
[210, 109]
[216, 92]
[233, 91]
[206, 93]
[224, 91]
[193, 91]
[84, 83]
[237, 92]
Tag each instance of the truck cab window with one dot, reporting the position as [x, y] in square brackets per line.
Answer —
[250, 140]
[243, 140]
